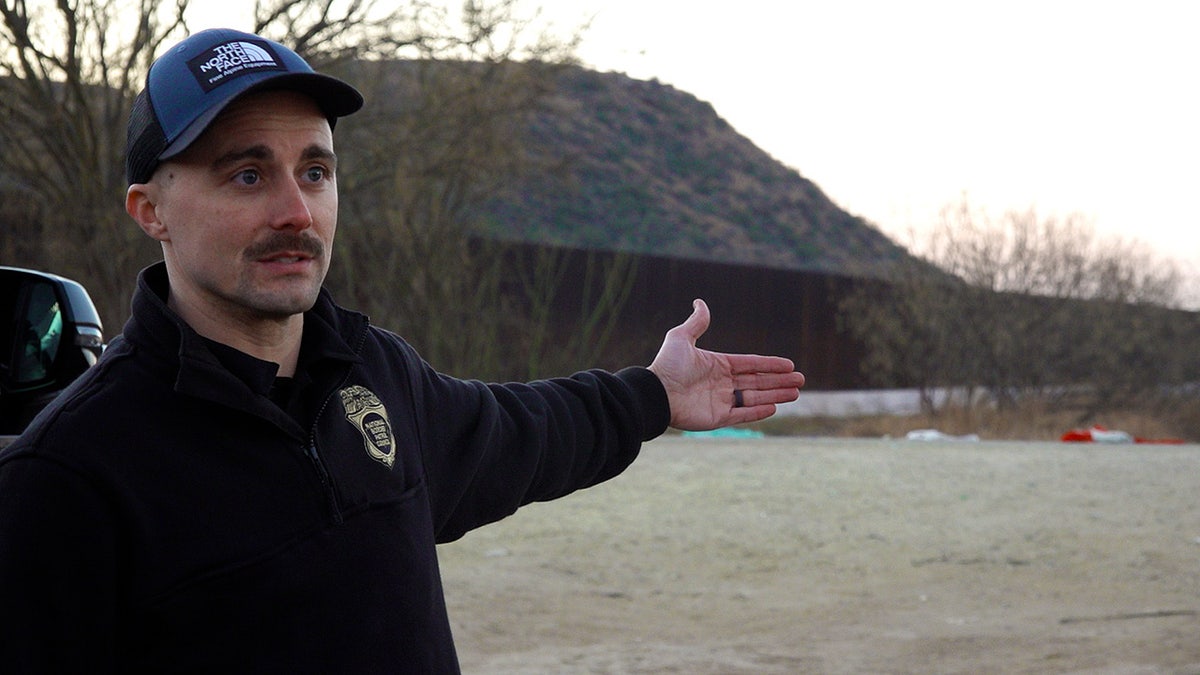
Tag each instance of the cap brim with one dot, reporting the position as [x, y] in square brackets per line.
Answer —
[334, 97]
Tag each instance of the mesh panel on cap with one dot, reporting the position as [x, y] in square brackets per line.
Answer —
[144, 141]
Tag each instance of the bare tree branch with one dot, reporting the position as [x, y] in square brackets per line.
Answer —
[1030, 306]
[450, 137]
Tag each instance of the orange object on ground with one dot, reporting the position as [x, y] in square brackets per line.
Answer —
[1099, 434]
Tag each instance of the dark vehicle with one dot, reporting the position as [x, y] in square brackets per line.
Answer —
[50, 333]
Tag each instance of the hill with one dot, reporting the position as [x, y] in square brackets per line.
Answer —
[648, 168]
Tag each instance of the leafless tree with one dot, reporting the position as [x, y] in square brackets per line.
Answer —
[68, 73]
[447, 132]
[450, 89]
[1028, 306]
[601, 291]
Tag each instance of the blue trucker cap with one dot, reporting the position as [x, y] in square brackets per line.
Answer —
[189, 86]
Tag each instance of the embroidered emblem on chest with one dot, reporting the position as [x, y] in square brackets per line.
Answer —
[366, 412]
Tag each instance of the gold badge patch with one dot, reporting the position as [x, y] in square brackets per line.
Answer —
[366, 412]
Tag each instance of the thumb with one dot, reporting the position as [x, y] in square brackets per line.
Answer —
[697, 323]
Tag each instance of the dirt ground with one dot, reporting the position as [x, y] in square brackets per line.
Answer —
[791, 555]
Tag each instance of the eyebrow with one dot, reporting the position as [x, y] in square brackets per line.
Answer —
[263, 153]
[260, 152]
[319, 152]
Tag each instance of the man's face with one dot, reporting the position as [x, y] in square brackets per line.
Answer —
[247, 213]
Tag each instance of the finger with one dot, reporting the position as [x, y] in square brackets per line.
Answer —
[748, 414]
[753, 398]
[753, 363]
[769, 381]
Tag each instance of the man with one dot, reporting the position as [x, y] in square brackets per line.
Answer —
[253, 479]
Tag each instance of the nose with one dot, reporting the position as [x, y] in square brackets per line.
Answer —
[291, 210]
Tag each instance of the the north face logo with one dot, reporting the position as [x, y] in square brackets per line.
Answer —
[228, 60]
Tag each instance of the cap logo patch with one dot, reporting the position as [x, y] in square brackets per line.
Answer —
[228, 60]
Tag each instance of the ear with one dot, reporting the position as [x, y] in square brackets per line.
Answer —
[141, 203]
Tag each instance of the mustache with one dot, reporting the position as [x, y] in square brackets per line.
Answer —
[279, 242]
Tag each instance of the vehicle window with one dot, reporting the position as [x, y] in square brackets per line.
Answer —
[39, 335]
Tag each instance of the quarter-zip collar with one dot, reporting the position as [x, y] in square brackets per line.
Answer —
[215, 372]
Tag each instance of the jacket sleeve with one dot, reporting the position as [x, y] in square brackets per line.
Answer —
[491, 448]
[58, 570]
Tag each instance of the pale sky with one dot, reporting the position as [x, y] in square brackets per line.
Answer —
[896, 109]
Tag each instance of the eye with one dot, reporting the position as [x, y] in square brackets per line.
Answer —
[247, 177]
[316, 174]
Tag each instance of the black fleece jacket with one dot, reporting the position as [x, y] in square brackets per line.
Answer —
[178, 510]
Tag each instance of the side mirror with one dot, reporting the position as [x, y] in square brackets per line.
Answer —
[50, 333]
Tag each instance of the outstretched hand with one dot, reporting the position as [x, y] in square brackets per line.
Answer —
[709, 390]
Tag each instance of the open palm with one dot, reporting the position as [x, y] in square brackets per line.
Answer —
[701, 385]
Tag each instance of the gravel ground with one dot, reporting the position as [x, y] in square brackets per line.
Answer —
[791, 555]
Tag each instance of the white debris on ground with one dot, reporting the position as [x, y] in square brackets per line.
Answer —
[935, 435]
